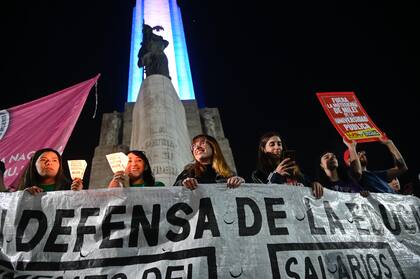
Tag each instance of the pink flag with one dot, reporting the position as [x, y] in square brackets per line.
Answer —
[45, 122]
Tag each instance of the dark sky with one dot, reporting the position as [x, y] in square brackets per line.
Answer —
[260, 64]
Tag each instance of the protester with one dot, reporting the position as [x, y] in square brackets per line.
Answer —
[333, 176]
[209, 165]
[412, 187]
[274, 167]
[45, 174]
[376, 181]
[2, 170]
[395, 184]
[138, 172]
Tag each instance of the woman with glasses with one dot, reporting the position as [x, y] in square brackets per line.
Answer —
[137, 173]
[209, 165]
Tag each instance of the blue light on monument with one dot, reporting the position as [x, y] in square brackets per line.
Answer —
[135, 75]
[167, 14]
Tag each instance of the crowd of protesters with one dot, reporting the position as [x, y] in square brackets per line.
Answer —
[275, 165]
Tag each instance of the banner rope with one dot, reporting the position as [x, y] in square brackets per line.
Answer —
[96, 100]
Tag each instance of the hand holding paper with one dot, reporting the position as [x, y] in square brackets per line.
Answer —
[120, 179]
[117, 161]
[77, 184]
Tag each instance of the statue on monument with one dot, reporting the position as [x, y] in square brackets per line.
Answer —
[151, 55]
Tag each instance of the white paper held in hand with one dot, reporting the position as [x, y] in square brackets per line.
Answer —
[117, 161]
[77, 168]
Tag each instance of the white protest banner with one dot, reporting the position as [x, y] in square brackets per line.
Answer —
[254, 231]
[117, 161]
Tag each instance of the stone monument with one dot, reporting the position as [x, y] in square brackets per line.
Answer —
[101, 173]
[159, 123]
[159, 128]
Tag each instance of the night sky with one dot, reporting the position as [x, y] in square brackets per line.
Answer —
[260, 64]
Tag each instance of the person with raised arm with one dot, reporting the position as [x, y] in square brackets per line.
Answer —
[377, 181]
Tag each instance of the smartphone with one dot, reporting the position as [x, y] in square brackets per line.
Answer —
[289, 154]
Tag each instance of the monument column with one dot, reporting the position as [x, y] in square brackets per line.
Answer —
[160, 129]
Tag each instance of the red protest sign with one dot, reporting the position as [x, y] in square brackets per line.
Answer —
[348, 116]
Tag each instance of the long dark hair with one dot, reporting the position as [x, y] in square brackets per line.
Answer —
[218, 160]
[147, 175]
[267, 162]
[31, 176]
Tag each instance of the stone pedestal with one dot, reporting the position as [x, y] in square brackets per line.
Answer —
[117, 131]
[159, 128]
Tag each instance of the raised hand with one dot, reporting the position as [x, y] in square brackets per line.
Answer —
[118, 180]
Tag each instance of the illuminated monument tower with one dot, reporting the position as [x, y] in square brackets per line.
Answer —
[167, 14]
[163, 119]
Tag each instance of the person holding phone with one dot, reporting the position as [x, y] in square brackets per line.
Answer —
[277, 165]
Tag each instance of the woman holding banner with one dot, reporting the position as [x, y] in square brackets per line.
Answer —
[45, 174]
[209, 166]
[138, 172]
[275, 165]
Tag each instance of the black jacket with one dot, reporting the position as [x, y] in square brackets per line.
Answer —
[208, 176]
